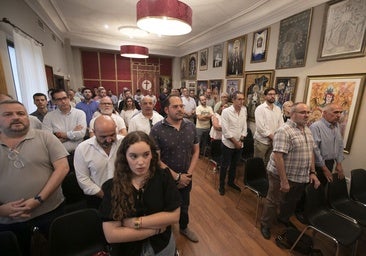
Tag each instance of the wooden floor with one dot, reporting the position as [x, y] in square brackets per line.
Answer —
[224, 230]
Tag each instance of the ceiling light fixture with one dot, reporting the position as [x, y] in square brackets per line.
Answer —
[132, 31]
[134, 51]
[164, 17]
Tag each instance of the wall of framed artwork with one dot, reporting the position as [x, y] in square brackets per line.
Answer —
[184, 67]
[286, 89]
[192, 66]
[255, 82]
[202, 86]
[293, 40]
[344, 30]
[232, 85]
[217, 55]
[235, 56]
[260, 45]
[344, 90]
[215, 86]
[203, 59]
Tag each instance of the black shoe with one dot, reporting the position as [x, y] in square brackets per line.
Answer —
[266, 233]
[234, 186]
[222, 191]
[300, 216]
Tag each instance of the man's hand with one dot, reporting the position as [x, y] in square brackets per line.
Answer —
[314, 180]
[185, 180]
[328, 174]
[284, 186]
[339, 170]
[15, 209]
[78, 128]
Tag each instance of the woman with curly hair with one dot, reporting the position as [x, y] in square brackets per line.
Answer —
[140, 202]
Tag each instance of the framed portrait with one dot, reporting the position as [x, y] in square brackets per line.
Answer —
[260, 45]
[202, 86]
[286, 89]
[165, 82]
[232, 85]
[192, 66]
[293, 40]
[344, 90]
[203, 56]
[235, 57]
[215, 86]
[191, 85]
[218, 54]
[184, 67]
[343, 31]
[255, 82]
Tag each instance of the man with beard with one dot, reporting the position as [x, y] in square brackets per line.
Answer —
[177, 141]
[88, 105]
[106, 108]
[95, 157]
[33, 165]
[268, 118]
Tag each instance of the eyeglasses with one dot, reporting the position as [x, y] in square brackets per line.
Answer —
[61, 99]
[106, 104]
[304, 112]
[13, 155]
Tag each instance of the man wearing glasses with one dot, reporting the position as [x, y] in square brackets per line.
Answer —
[68, 124]
[290, 168]
[33, 165]
[268, 118]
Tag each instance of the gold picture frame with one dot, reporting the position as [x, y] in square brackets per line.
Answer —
[235, 57]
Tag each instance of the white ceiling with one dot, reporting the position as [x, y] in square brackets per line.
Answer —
[214, 21]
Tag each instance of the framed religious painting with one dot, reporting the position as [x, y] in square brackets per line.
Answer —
[192, 66]
[202, 86]
[191, 86]
[184, 67]
[232, 85]
[286, 89]
[260, 45]
[293, 40]
[217, 55]
[215, 86]
[255, 82]
[235, 57]
[343, 33]
[344, 90]
[203, 57]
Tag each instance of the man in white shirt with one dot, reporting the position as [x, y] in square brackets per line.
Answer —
[268, 118]
[189, 105]
[203, 125]
[146, 119]
[68, 124]
[94, 159]
[234, 130]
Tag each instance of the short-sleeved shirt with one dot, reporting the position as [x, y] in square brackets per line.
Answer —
[176, 146]
[37, 151]
[297, 146]
[159, 194]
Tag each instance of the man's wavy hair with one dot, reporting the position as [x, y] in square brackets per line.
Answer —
[122, 190]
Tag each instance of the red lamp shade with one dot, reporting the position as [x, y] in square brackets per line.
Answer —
[164, 17]
[134, 51]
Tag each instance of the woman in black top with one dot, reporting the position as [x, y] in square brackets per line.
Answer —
[141, 202]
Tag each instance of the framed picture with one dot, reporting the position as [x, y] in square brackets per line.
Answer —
[260, 45]
[203, 54]
[255, 82]
[184, 67]
[165, 82]
[286, 89]
[343, 33]
[202, 86]
[232, 85]
[215, 86]
[235, 57]
[192, 66]
[191, 85]
[218, 55]
[293, 40]
[344, 90]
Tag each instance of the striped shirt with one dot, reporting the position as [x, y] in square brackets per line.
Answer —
[297, 146]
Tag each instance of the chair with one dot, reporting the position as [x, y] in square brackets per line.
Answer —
[338, 199]
[358, 189]
[213, 159]
[212, 167]
[9, 244]
[327, 222]
[255, 179]
[74, 195]
[77, 233]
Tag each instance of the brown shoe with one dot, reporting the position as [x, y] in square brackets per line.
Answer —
[189, 234]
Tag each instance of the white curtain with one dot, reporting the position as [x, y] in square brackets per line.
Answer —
[31, 69]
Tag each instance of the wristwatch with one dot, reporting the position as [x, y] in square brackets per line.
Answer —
[312, 172]
[177, 178]
[39, 198]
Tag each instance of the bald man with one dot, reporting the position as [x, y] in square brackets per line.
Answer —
[94, 159]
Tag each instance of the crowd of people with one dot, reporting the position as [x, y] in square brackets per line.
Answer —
[134, 158]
